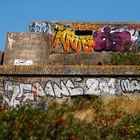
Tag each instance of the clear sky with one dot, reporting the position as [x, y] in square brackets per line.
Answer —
[15, 15]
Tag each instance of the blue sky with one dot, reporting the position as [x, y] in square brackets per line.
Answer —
[15, 15]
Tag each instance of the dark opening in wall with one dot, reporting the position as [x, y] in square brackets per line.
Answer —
[2, 58]
[99, 63]
[83, 32]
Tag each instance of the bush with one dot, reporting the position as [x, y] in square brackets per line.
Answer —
[58, 122]
[125, 58]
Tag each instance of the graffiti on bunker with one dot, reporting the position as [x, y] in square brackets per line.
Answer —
[40, 27]
[69, 40]
[23, 62]
[16, 93]
[101, 37]
[116, 41]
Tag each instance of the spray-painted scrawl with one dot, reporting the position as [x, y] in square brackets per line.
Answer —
[23, 62]
[130, 86]
[16, 93]
[71, 41]
[116, 41]
[40, 27]
[89, 37]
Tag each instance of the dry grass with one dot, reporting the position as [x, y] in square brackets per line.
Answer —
[126, 105]
[83, 118]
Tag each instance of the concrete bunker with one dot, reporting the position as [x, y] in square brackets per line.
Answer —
[64, 59]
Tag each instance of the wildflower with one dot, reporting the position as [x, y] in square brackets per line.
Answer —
[72, 137]
[59, 121]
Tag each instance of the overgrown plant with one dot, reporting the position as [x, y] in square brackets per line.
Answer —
[125, 58]
[59, 121]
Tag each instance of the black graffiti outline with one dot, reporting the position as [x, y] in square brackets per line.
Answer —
[54, 92]
[39, 27]
[8, 100]
[60, 87]
[33, 86]
[123, 87]
[98, 83]
[74, 85]
[23, 92]
[52, 88]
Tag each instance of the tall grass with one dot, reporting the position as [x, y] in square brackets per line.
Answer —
[83, 118]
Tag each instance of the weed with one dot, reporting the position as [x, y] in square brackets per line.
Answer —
[61, 121]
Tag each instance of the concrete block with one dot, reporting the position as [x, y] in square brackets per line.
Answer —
[27, 49]
[97, 58]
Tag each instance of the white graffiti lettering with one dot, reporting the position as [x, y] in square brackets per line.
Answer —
[92, 85]
[130, 85]
[23, 62]
[100, 86]
[74, 90]
[40, 27]
[67, 89]
[18, 93]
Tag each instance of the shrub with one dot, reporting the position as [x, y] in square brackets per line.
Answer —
[59, 122]
[125, 58]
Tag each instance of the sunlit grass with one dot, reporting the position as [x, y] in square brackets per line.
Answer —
[82, 118]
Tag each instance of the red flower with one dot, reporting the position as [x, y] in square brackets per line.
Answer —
[59, 121]
[72, 137]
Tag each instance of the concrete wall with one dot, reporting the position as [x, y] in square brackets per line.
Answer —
[87, 43]
[73, 50]
[89, 37]
[70, 43]
[80, 58]
[30, 83]
[26, 49]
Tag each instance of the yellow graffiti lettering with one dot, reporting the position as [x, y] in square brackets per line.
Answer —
[87, 43]
[74, 42]
[60, 36]
[69, 39]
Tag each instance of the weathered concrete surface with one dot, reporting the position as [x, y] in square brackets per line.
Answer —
[63, 59]
[19, 84]
[72, 70]
[75, 37]
[19, 89]
[82, 58]
[26, 49]
[70, 43]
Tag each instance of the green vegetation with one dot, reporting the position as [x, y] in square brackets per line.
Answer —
[83, 118]
[125, 58]
[128, 57]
